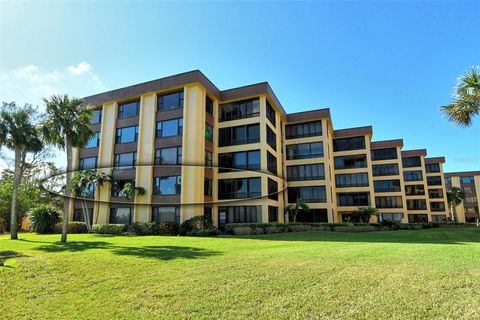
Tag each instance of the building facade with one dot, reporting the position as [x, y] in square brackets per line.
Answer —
[236, 156]
[469, 182]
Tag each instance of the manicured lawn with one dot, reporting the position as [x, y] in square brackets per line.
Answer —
[431, 274]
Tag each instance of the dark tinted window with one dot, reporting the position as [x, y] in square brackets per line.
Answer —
[168, 155]
[272, 214]
[434, 181]
[353, 199]
[239, 188]
[97, 116]
[304, 150]
[385, 169]
[388, 202]
[272, 189]
[302, 130]
[309, 194]
[271, 114]
[170, 101]
[166, 214]
[87, 163]
[435, 193]
[239, 110]
[239, 214]
[350, 162]
[239, 135]
[208, 187]
[245, 160]
[312, 215]
[384, 154]
[413, 176]
[351, 180]
[416, 204]
[129, 109]
[271, 163]
[345, 144]
[306, 172]
[271, 138]
[411, 162]
[125, 160]
[386, 185]
[209, 106]
[432, 167]
[415, 190]
[120, 216]
[437, 206]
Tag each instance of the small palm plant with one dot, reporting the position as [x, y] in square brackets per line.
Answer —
[466, 102]
[299, 205]
[129, 189]
[363, 214]
[455, 196]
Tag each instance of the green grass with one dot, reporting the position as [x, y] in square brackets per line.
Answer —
[431, 274]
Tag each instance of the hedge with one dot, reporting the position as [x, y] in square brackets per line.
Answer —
[109, 228]
[153, 229]
[72, 227]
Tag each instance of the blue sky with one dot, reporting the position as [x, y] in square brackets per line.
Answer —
[386, 64]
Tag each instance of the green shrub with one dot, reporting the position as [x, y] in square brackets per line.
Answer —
[109, 228]
[154, 228]
[203, 233]
[44, 218]
[72, 227]
[195, 223]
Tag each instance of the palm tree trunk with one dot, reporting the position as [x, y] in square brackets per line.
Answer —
[66, 204]
[16, 182]
[86, 216]
[451, 212]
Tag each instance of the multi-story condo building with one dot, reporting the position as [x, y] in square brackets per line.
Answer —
[469, 182]
[236, 155]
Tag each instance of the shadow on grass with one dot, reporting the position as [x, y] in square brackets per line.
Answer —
[5, 255]
[429, 236]
[154, 252]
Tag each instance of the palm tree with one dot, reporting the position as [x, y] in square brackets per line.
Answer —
[83, 183]
[18, 133]
[364, 213]
[466, 102]
[455, 196]
[129, 189]
[67, 126]
[299, 205]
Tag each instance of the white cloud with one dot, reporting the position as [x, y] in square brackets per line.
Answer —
[82, 67]
[29, 83]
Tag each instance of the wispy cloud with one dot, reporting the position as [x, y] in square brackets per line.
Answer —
[29, 83]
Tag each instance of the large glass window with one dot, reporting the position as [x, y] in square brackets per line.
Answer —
[432, 167]
[466, 180]
[434, 181]
[97, 117]
[120, 216]
[386, 185]
[168, 156]
[239, 135]
[350, 162]
[169, 128]
[239, 214]
[393, 217]
[388, 202]
[239, 188]
[302, 130]
[80, 217]
[94, 141]
[208, 132]
[240, 110]
[243, 160]
[385, 169]
[271, 114]
[271, 163]
[127, 134]
[384, 154]
[167, 185]
[437, 206]
[435, 193]
[271, 138]
[313, 215]
[413, 176]
[166, 214]
[170, 101]
[87, 163]
[351, 180]
[309, 194]
[272, 189]
[411, 162]
[353, 199]
[415, 190]
[125, 160]
[305, 150]
[448, 180]
[128, 109]
[346, 144]
[417, 218]
[272, 214]
[416, 204]
[306, 172]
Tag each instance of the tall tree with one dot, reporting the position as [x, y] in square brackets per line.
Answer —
[466, 103]
[67, 126]
[455, 196]
[299, 205]
[19, 134]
